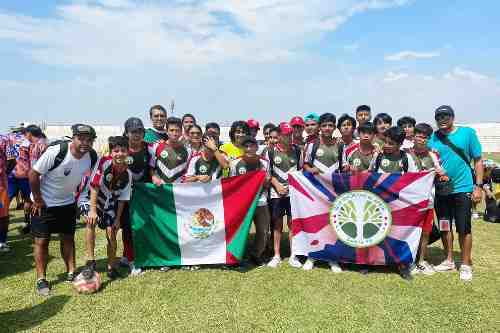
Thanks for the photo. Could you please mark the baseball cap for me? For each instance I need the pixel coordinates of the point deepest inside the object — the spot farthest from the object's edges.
(248, 139)
(133, 123)
(79, 129)
(252, 123)
(285, 128)
(445, 110)
(311, 116)
(297, 121)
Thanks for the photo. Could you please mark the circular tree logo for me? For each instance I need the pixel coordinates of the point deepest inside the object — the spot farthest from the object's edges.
(360, 218)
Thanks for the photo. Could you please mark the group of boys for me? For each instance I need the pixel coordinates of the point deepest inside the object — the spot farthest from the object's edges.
(175, 150)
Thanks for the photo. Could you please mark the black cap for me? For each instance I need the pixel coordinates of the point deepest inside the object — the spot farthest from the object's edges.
(248, 139)
(133, 124)
(79, 129)
(445, 110)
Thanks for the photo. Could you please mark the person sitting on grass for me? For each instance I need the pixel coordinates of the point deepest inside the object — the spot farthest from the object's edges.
(110, 187)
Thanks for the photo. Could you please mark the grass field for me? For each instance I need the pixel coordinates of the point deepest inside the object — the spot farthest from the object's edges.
(260, 299)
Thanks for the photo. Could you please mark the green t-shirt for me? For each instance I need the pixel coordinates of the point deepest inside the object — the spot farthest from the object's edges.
(168, 162)
(198, 166)
(152, 136)
(326, 156)
(359, 160)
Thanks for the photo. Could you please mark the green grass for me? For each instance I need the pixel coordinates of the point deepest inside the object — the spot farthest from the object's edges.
(262, 299)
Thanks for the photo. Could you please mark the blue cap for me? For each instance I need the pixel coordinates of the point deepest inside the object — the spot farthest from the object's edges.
(312, 116)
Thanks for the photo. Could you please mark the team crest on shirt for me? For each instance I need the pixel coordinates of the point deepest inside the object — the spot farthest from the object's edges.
(129, 160)
(277, 160)
(242, 170)
(385, 163)
(203, 169)
(356, 162)
(320, 152)
(109, 177)
(164, 154)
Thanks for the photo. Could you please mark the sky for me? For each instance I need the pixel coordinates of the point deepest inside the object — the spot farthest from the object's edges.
(102, 61)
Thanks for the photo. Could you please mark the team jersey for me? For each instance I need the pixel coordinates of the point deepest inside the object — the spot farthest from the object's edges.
(359, 161)
(21, 147)
(152, 136)
(427, 160)
(113, 186)
(138, 164)
(6, 153)
(36, 150)
(326, 158)
(199, 166)
(378, 142)
(240, 167)
(391, 164)
(281, 164)
(168, 162)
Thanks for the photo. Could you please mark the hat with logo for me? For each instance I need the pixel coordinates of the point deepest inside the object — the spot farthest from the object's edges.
(252, 123)
(311, 116)
(133, 124)
(444, 110)
(82, 129)
(297, 121)
(285, 128)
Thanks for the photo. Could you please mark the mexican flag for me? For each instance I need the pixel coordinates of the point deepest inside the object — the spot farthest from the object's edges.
(193, 223)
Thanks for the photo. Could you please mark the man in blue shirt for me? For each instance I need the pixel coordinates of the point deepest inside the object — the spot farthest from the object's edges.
(467, 186)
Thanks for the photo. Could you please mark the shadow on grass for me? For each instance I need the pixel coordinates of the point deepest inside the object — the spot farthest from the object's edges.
(436, 255)
(24, 319)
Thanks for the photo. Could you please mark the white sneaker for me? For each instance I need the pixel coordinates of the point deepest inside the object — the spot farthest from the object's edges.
(465, 273)
(335, 268)
(308, 265)
(274, 263)
(445, 266)
(135, 271)
(414, 269)
(294, 262)
(425, 268)
(165, 268)
(476, 216)
(4, 247)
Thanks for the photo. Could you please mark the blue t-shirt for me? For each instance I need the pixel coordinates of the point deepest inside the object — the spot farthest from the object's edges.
(458, 171)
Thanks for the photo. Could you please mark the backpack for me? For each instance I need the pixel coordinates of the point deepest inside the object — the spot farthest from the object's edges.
(404, 158)
(63, 150)
(340, 152)
(296, 151)
(495, 175)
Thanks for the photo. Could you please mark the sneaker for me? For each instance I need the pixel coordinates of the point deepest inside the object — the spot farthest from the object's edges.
(70, 277)
(165, 268)
(405, 273)
(294, 262)
(445, 266)
(42, 287)
(414, 270)
(124, 262)
(135, 271)
(465, 273)
(308, 265)
(274, 263)
(425, 268)
(4, 247)
(335, 268)
(475, 216)
(113, 273)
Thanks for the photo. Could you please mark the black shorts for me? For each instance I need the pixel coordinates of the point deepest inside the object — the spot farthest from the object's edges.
(54, 220)
(280, 207)
(456, 208)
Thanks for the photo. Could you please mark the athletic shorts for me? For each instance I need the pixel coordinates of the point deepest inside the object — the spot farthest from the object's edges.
(280, 207)
(19, 185)
(4, 204)
(54, 220)
(103, 221)
(455, 208)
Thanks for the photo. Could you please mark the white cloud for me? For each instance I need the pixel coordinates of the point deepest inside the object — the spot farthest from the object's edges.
(391, 76)
(411, 55)
(460, 73)
(126, 32)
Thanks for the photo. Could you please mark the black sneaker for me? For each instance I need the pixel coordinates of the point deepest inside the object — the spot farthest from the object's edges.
(113, 274)
(405, 273)
(70, 277)
(42, 287)
(26, 229)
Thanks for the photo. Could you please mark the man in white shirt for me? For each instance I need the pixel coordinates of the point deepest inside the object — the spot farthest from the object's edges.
(54, 179)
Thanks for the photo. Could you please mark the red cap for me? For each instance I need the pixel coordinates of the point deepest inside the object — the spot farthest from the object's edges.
(285, 128)
(252, 123)
(297, 121)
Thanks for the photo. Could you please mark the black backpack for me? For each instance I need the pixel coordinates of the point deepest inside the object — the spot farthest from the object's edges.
(315, 150)
(63, 150)
(404, 158)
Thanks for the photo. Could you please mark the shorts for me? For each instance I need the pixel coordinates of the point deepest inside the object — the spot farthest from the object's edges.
(104, 220)
(457, 208)
(280, 207)
(54, 220)
(19, 185)
(4, 205)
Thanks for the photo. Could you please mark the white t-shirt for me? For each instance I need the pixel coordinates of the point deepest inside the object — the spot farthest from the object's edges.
(58, 186)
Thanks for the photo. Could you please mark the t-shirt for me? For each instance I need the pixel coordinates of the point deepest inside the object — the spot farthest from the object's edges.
(23, 158)
(427, 160)
(113, 186)
(391, 164)
(282, 164)
(378, 142)
(36, 150)
(169, 163)
(198, 166)
(241, 167)
(458, 171)
(138, 164)
(152, 135)
(359, 160)
(327, 156)
(58, 186)
(6, 153)
(232, 152)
